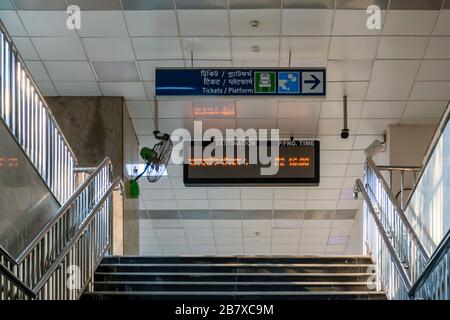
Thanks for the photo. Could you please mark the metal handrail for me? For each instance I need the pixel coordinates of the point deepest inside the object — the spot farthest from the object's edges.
(438, 254)
(430, 151)
(33, 292)
(399, 211)
(394, 256)
(62, 210)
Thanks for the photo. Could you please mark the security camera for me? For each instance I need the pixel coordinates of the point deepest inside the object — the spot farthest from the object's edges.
(345, 133)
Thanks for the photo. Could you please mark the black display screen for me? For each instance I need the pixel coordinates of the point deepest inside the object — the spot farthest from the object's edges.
(297, 163)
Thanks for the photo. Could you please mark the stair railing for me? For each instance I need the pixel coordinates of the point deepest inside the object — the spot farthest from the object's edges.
(27, 116)
(61, 260)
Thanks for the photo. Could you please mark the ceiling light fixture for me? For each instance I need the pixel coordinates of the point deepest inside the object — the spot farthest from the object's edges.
(254, 24)
(255, 48)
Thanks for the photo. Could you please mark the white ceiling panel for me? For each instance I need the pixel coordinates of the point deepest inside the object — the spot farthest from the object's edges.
(256, 204)
(298, 126)
(102, 24)
(224, 204)
(383, 109)
(353, 90)
(37, 70)
(434, 70)
(207, 48)
(148, 67)
(157, 48)
(299, 109)
(396, 47)
(193, 22)
(349, 70)
(306, 22)
(57, 48)
(334, 109)
(175, 109)
(129, 90)
(335, 170)
(267, 46)
(224, 193)
(47, 89)
(438, 48)
(269, 22)
(256, 124)
(46, 23)
(109, 49)
(324, 194)
(348, 48)
(425, 109)
(12, 22)
(256, 193)
(304, 48)
(334, 157)
(335, 142)
(405, 22)
(69, 70)
(375, 126)
(290, 194)
(442, 25)
(25, 47)
(77, 89)
(151, 23)
(354, 22)
(256, 108)
(431, 91)
(334, 126)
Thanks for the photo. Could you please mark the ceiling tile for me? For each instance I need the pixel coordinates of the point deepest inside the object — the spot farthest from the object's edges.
(268, 48)
(442, 25)
(77, 89)
(193, 22)
(255, 4)
(40, 5)
(47, 89)
(256, 124)
(157, 48)
(434, 70)
(306, 22)
(353, 23)
(69, 70)
(404, 22)
(362, 142)
(90, 5)
(175, 109)
(256, 193)
(148, 67)
(334, 109)
(6, 5)
(402, 47)
(290, 194)
(415, 5)
(431, 91)
(268, 19)
(151, 23)
(108, 49)
(256, 204)
(150, 90)
(116, 71)
(299, 109)
(207, 48)
(438, 48)
(361, 4)
(319, 205)
(375, 126)
(392, 79)
(334, 126)
(255, 64)
(225, 204)
(25, 48)
(324, 194)
(353, 90)
(214, 108)
(256, 108)
(12, 23)
(102, 24)
(383, 109)
(336, 143)
(335, 170)
(37, 70)
(349, 70)
(298, 126)
(147, 5)
(357, 157)
(201, 4)
(330, 182)
(46, 23)
(425, 109)
(334, 157)
(419, 121)
(223, 193)
(348, 48)
(304, 49)
(190, 194)
(59, 48)
(355, 170)
(128, 90)
(308, 4)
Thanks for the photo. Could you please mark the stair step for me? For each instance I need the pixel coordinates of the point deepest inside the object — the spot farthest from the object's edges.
(237, 277)
(244, 259)
(235, 268)
(220, 295)
(229, 286)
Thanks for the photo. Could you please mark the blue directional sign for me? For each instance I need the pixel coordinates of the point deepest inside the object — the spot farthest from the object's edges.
(240, 82)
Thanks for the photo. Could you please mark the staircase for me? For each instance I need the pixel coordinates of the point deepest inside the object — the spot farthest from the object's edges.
(233, 278)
